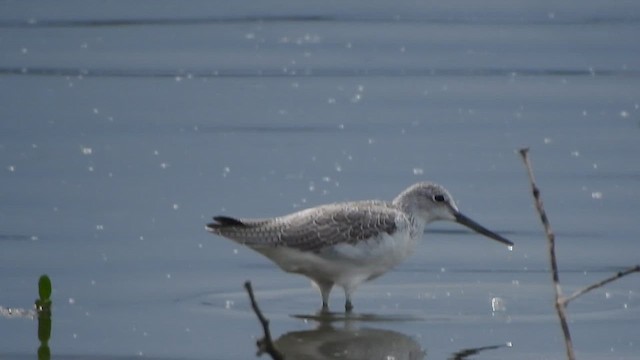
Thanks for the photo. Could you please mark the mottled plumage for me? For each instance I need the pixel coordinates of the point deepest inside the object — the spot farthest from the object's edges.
(347, 243)
(313, 229)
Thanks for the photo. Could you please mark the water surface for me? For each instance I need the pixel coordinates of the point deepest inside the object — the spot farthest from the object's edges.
(124, 129)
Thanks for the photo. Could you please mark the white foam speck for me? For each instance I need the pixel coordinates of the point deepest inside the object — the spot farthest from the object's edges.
(597, 195)
(228, 304)
(418, 171)
(498, 305)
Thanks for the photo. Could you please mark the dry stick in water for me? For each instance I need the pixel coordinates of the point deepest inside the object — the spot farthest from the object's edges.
(265, 344)
(552, 256)
(617, 276)
(562, 301)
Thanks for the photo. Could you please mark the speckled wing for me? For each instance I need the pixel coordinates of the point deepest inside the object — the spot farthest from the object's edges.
(312, 229)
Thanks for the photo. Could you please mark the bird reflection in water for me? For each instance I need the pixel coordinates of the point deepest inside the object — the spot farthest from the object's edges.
(342, 336)
(347, 341)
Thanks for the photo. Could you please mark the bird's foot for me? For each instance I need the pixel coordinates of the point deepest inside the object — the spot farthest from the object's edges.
(325, 308)
(348, 306)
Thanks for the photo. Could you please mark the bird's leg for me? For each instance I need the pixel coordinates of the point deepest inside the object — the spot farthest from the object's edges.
(325, 290)
(348, 306)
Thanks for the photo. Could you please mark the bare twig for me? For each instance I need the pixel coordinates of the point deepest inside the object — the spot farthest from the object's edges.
(559, 304)
(265, 345)
(617, 276)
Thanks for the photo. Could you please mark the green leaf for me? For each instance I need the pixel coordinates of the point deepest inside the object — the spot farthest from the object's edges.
(44, 287)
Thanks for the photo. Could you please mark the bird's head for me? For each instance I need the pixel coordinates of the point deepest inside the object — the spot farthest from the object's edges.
(432, 202)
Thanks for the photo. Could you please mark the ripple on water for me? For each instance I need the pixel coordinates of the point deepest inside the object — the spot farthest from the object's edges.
(511, 301)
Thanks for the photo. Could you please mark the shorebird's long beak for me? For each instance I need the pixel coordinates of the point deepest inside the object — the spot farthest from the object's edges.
(462, 219)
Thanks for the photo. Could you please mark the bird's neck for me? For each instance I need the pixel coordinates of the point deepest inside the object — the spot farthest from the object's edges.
(406, 203)
(416, 228)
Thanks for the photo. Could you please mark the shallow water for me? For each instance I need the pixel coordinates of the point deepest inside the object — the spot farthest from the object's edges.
(123, 130)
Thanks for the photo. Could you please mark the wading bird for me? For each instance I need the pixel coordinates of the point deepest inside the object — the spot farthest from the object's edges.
(346, 244)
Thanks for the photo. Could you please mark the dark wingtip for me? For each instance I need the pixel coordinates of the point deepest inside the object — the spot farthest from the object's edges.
(222, 222)
(228, 221)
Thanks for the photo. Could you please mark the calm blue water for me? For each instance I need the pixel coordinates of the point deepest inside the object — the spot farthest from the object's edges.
(123, 129)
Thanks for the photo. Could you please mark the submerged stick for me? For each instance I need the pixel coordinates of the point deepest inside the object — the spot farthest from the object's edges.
(559, 302)
(265, 345)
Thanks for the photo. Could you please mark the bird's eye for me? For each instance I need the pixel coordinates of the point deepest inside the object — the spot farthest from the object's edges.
(438, 198)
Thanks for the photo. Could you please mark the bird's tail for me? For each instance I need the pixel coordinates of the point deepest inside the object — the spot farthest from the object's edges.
(222, 222)
(251, 232)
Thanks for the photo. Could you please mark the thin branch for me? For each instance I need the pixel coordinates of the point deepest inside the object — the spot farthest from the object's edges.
(543, 218)
(266, 343)
(585, 290)
(559, 301)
